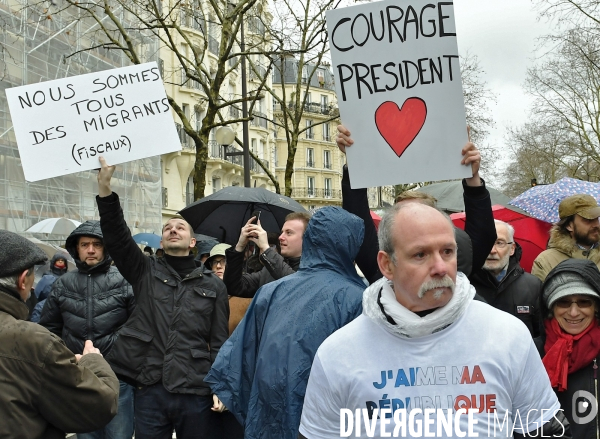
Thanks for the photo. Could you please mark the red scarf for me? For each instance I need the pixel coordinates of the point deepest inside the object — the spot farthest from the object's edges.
(566, 353)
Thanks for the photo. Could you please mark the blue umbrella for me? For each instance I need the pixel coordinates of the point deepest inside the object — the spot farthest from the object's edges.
(149, 239)
(542, 201)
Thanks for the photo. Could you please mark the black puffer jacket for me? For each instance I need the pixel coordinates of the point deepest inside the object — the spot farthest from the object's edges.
(518, 293)
(90, 303)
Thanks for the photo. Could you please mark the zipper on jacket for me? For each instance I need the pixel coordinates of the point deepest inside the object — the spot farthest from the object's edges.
(596, 395)
(89, 309)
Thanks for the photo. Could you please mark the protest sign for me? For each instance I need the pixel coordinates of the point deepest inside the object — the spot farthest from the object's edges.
(63, 126)
(399, 91)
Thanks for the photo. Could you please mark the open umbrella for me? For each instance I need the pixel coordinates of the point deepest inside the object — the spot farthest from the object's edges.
(449, 195)
(56, 226)
(223, 213)
(149, 239)
(542, 201)
(530, 233)
(376, 219)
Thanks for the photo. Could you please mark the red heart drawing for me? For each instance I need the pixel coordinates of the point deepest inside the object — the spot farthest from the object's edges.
(400, 126)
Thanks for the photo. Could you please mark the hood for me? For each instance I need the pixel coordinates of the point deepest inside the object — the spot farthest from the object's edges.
(332, 240)
(88, 228)
(55, 271)
(584, 267)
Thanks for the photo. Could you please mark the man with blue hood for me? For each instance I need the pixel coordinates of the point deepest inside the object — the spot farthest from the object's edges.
(261, 372)
(92, 303)
(58, 267)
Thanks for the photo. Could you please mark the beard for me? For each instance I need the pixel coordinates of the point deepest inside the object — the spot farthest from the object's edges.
(437, 287)
(496, 264)
(585, 238)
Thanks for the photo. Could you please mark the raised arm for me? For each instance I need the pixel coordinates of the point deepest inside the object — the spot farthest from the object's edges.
(128, 258)
(479, 219)
(355, 201)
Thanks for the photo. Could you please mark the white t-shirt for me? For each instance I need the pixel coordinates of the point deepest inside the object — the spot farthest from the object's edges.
(486, 360)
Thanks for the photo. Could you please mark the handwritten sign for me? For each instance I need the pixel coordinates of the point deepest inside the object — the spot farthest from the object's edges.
(399, 91)
(63, 126)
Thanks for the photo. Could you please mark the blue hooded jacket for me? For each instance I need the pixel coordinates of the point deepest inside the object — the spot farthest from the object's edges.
(261, 372)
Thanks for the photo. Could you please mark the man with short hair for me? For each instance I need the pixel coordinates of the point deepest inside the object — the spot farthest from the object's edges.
(45, 389)
(275, 265)
(93, 303)
(575, 235)
(504, 284)
(423, 343)
(179, 324)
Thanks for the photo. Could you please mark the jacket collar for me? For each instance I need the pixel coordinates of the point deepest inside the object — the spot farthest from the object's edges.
(12, 304)
(563, 243)
(101, 267)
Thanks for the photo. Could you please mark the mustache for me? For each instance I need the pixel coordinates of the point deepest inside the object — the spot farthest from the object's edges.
(436, 284)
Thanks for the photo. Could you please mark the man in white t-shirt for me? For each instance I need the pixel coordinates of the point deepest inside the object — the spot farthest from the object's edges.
(423, 353)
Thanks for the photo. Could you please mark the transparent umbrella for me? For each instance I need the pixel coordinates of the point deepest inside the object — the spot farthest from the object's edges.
(54, 226)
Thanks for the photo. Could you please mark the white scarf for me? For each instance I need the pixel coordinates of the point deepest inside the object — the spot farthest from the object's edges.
(408, 324)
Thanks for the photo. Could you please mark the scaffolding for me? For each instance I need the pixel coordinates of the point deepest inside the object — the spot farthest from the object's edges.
(37, 44)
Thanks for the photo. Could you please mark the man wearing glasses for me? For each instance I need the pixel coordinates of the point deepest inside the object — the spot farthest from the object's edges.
(504, 284)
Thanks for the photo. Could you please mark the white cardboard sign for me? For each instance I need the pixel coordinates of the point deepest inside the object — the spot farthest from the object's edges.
(63, 126)
(399, 91)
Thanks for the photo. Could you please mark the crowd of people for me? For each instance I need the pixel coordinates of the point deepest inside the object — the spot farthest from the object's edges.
(275, 336)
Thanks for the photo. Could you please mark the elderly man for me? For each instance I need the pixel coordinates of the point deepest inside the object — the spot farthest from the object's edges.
(45, 389)
(504, 284)
(179, 324)
(423, 343)
(575, 235)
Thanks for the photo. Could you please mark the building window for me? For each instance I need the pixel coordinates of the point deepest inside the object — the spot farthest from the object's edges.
(309, 129)
(326, 133)
(324, 104)
(216, 183)
(327, 159)
(327, 188)
(189, 191)
(310, 157)
(275, 158)
(310, 190)
(253, 147)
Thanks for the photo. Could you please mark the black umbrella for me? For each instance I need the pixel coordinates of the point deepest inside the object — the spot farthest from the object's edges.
(224, 213)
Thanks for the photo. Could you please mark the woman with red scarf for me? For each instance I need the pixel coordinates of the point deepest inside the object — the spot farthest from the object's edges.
(571, 346)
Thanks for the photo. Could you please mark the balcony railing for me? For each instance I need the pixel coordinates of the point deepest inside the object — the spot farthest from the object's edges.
(165, 197)
(308, 192)
(217, 151)
(310, 134)
(326, 137)
(188, 19)
(186, 141)
(312, 107)
(234, 112)
(327, 165)
(310, 164)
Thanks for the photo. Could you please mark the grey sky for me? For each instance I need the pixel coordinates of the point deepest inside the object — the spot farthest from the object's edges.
(502, 33)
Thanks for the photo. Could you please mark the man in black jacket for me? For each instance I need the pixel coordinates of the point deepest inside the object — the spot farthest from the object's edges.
(474, 243)
(174, 335)
(504, 284)
(275, 265)
(92, 303)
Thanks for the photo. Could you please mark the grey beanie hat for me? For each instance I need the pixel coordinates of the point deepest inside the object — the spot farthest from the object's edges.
(566, 284)
(18, 254)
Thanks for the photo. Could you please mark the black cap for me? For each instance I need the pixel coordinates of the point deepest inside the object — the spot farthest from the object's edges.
(18, 254)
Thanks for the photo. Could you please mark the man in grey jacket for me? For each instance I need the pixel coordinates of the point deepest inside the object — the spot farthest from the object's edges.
(276, 265)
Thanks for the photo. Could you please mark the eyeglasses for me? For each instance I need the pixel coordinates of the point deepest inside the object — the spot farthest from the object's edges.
(220, 262)
(581, 303)
(501, 244)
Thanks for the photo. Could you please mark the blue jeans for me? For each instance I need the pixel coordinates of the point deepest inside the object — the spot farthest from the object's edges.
(158, 412)
(121, 426)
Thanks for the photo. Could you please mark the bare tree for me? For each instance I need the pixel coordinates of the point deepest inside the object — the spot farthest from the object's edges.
(299, 37)
(124, 25)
